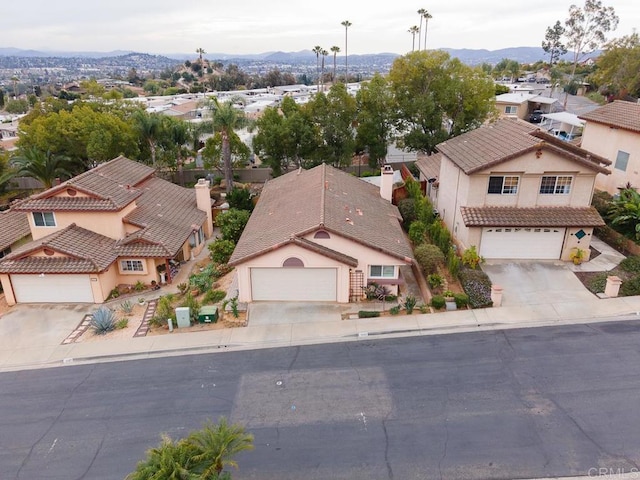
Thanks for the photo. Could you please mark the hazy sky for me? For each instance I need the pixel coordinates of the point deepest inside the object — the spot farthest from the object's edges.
(257, 26)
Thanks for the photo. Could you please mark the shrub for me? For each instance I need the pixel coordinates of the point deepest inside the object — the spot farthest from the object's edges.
(214, 296)
(194, 307)
(429, 257)
(221, 250)
(103, 320)
(407, 208)
(602, 202)
(470, 257)
(164, 310)
(598, 282)
(461, 299)
(182, 288)
(417, 232)
(477, 285)
(122, 323)
(423, 308)
(126, 307)
(424, 210)
(631, 287)
(232, 223)
(440, 236)
(139, 286)
(373, 291)
(394, 310)
(204, 279)
(367, 314)
(409, 303)
(435, 280)
(631, 264)
(233, 304)
(453, 262)
(437, 302)
(240, 198)
(115, 293)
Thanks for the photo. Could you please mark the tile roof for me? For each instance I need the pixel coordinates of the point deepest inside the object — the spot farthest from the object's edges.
(531, 217)
(507, 138)
(87, 252)
(14, 226)
(429, 165)
(322, 198)
(110, 187)
(620, 114)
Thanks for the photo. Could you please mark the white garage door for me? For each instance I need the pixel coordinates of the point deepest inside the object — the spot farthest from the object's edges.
(52, 288)
(294, 284)
(523, 243)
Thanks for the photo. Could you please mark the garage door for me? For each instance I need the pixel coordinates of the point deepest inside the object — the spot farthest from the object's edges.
(52, 288)
(294, 284)
(522, 243)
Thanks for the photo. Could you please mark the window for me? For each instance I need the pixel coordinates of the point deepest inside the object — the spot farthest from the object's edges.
(44, 219)
(622, 160)
(5, 252)
(551, 185)
(321, 234)
(511, 110)
(131, 266)
(382, 271)
(503, 185)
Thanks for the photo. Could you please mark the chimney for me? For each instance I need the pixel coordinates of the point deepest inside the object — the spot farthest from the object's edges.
(386, 183)
(203, 201)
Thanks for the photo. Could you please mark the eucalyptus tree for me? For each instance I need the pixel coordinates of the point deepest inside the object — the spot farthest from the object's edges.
(346, 24)
(552, 43)
(618, 70)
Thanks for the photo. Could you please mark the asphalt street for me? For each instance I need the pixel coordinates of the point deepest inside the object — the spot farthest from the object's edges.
(527, 403)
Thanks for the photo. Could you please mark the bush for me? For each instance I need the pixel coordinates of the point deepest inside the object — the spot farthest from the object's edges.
(453, 262)
(461, 299)
(470, 257)
(602, 202)
(435, 280)
(232, 223)
(437, 302)
(214, 296)
(122, 323)
(631, 264)
(477, 285)
(407, 208)
(373, 291)
(394, 310)
(417, 232)
(115, 293)
(194, 307)
(598, 282)
(367, 314)
(164, 310)
(182, 288)
(631, 287)
(440, 236)
(240, 198)
(139, 286)
(221, 250)
(103, 320)
(429, 257)
(409, 303)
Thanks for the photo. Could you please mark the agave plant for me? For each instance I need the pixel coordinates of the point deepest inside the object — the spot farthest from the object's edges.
(126, 307)
(103, 320)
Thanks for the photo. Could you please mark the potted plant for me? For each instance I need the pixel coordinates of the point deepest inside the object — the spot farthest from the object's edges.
(577, 255)
(141, 301)
(449, 300)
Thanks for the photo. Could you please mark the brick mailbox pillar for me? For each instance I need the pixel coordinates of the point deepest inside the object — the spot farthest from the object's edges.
(613, 286)
(496, 295)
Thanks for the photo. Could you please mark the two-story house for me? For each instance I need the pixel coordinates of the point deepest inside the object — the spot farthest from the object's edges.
(321, 235)
(516, 192)
(613, 131)
(115, 224)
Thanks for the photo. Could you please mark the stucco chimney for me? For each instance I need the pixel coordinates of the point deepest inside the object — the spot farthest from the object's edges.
(386, 183)
(203, 201)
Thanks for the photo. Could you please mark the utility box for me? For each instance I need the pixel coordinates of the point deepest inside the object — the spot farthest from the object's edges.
(208, 314)
(183, 317)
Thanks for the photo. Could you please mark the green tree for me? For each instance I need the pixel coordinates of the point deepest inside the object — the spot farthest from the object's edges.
(625, 212)
(168, 461)
(375, 124)
(149, 129)
(269, 143)
(232, 223)
(552, 43)
(618, 70)
(43, 166)
(1, 99)
(215, 445)
(17, 106)
(437, 96)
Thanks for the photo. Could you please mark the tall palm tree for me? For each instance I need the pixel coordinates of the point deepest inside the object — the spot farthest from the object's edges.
(413, 31)
(324, 54)
(346, 24)
(200, 51)
(149, 128)
(215, 445)
(15, 79)
(317, 50)
(336, 51)
(43, 166)
(225, 119)
(426, 16)
(421, 12)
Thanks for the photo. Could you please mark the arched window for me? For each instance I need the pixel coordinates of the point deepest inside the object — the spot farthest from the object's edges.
(321, 234)
(293, 262)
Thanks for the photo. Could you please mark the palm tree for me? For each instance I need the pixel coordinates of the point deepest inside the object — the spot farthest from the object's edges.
(324, 53)
(346, 24)
(148, 126)
(317, 50)
(214, 447)
(421, 12)
(335, 51)
(225, 119)
(170, 460)
(43, 166)
(426, 16)
(200, 51)
(15, 79)
(413, 31)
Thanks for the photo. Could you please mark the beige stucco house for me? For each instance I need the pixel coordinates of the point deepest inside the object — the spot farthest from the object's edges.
(613, 131)
(516, 192)
(115, 224)
(321, 235)
(521, 104)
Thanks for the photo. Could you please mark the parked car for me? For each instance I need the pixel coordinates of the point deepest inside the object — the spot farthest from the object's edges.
(535, 116)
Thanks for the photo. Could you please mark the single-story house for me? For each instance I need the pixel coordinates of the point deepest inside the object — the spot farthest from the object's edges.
(321, 235)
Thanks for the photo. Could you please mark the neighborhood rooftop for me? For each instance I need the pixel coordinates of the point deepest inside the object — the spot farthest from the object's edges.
(619, 114)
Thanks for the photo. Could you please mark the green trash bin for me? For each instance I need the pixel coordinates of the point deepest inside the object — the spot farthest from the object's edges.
(208, 314)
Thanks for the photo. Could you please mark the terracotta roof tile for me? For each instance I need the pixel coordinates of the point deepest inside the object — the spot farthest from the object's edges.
(620, 114)
(429, 165)
(322, 197)
(531, 217)
(14, 226)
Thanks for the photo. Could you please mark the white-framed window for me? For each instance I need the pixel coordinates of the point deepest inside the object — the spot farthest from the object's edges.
(503, 185)
(382, 271)
(131, 265)
(44, 219)
(511, 110)
(555, 185)
(622, 159)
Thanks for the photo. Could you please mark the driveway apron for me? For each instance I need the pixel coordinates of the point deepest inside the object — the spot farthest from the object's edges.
(279, 313)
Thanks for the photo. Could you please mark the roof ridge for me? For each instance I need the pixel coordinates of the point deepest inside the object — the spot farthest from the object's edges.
(324, 185)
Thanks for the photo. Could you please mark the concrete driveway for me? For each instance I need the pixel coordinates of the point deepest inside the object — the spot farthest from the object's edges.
(536, 282)
(280, 313)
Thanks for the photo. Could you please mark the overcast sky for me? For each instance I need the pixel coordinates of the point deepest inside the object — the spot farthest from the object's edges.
(257, 26)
